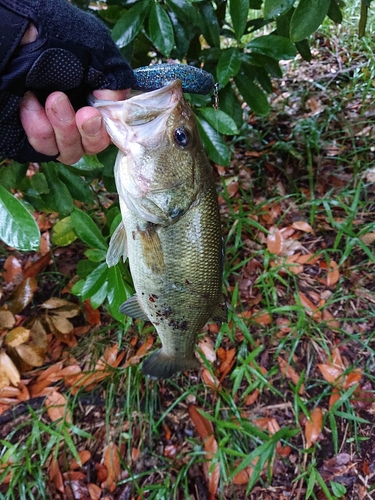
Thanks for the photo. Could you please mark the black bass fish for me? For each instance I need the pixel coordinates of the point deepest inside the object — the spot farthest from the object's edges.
(170, 229)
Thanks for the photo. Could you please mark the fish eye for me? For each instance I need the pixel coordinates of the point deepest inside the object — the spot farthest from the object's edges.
(181, 137)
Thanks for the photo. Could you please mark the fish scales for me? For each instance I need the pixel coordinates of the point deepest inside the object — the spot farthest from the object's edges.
(170, 229)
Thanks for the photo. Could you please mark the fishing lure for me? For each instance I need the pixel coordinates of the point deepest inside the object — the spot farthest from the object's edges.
(194, 80)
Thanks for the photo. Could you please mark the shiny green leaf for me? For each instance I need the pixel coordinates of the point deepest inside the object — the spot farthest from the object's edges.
(87, 230)
(161, 30)
(184, 11)
(216, 148)
(99, 297)
(63, 233)
(118, 292)
(78, 188)
(273, 8)
(228, 65)
(307, 18)
(252, 94)
(18, 228)
(209, 23)
(95, 254)
(273, 46)
(87, 163)
(334, 12)
(95, 281)
(129, 25)
(39, 183)
(238, 10)
(222, 122)
(58, 198)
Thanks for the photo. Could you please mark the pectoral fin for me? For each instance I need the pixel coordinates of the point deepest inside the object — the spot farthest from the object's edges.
(152, 251)
(117, 246)
(133, 309)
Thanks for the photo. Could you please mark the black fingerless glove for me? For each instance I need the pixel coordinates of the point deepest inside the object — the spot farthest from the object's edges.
(73, 53)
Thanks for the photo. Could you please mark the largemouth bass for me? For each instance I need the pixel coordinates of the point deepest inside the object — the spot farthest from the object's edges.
(170, 229)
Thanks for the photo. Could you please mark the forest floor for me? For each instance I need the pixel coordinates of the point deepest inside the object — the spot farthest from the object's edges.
(284, 404)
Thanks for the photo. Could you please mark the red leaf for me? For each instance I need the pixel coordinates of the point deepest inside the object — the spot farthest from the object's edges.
(12, 268)
(92, 315)
(204, 427)
(313, 427)
(212, 472)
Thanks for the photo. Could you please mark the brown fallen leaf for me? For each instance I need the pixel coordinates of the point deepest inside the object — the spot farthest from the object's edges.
(301, 225)
(111, 461)
(57, 408)
(275, 241)
(12, 268)
(211, 470)
(210, 380)
(313, 426)
(289, 372)
(310, 307)
(204, 427)
(207, 346)
(55, 475)
(8, 371)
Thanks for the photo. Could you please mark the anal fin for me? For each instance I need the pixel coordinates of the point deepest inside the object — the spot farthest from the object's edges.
(133, 309)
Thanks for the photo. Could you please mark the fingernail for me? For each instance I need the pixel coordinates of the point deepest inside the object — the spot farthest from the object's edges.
(92, 126)
(63, 110)
(30, 102)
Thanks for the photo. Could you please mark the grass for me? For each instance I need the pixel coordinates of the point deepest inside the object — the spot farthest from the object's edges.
(308, 167)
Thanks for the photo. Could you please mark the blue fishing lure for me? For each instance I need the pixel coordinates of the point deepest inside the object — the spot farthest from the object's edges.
(194, 80)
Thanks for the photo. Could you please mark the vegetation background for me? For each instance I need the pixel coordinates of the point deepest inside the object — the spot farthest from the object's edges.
(283, 406)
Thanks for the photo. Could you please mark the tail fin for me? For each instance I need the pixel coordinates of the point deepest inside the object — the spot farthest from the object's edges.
(158, 365)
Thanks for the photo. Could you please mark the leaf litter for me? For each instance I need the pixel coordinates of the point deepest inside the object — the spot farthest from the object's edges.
(290, 263)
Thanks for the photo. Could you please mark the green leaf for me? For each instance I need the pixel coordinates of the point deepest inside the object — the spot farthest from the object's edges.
(63, 233)
(183, 34)
(58, 198)
(307, 18)
(239, 10)
(273, 8)
(118, 292)
(161, 30)
(12, 175)
(303, 48)
(209, 24)
(216, 148)
(18, 228)
(128, 26)
(228, 65)
(87, 230)
(78, 188)
(222, 122)
(230, 104)
(95, 255)
(252, 94)
(95, 281)
(334, 12)
(184, 11)
(39, 182)
(338, 489)
(87, 163)
(99, 297)
(273, 46)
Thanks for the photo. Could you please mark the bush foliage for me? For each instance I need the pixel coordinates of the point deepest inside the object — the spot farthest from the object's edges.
(241, 42)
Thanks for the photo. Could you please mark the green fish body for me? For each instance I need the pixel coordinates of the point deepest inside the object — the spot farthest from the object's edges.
(170, 229)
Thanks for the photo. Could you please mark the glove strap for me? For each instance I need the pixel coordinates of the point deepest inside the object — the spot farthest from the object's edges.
(13, 28)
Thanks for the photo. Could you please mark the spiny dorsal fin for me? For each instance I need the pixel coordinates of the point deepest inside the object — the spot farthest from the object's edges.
(133, 309)
(117, 246)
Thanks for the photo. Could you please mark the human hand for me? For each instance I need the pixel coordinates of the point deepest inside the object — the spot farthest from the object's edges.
(58, 129)
(61, 49)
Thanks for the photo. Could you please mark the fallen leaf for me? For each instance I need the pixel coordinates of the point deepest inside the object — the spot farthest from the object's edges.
(94, 491)
(367, 238)
(251, 398)
(204, 427)
(17, 336)
(310, 307)
(111, 461)
(37, 267)
(275, 241)
(289, 372)
(12, 268)
(330, 373)
(207, 346)
(55, 475)
(211, 470)
(301, 225)
(23, 295)
(84, 455)
(57, 407)
(7, 319)
(31, 354)
(313, 427)
(92, 315)
(210, 380)
(8, 371)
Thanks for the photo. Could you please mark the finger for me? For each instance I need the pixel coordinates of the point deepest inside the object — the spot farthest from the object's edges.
(91, 126)
(37, 126)
(111, 95)
(61, 114)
